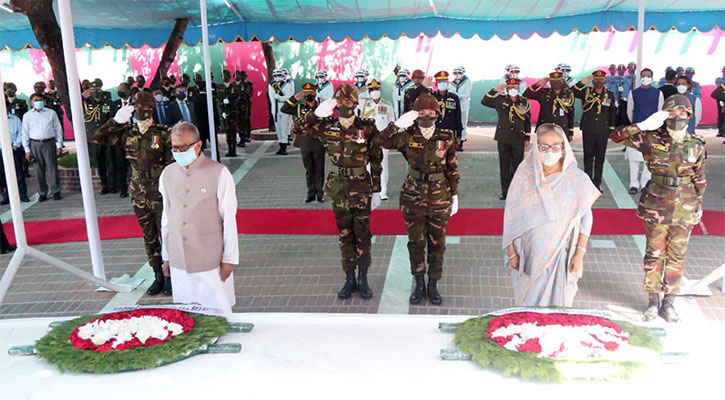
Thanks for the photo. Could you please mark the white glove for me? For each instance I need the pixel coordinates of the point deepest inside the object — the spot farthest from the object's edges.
(325, 108)
(226, 101)
(375, 201)
(454, 205)
(406, 120)
(224, 115)
(654, 121)
(123, 115)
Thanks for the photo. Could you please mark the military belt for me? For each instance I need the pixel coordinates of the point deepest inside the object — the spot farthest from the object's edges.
(349, 171)
(415, 174)
(673, 181)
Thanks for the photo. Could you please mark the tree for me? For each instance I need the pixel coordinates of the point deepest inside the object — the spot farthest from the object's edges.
(172, 45)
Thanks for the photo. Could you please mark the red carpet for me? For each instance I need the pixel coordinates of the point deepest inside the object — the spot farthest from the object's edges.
(322, 222)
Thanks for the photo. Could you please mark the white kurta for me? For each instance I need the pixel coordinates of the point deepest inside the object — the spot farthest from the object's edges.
(207, 288)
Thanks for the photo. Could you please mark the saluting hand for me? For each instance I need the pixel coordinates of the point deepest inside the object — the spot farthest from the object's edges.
(299, 96)
(499, 88)
(325, 108)
(427, 81)
(123, 115)
(542, 82)
(407, 119)
(587, 79)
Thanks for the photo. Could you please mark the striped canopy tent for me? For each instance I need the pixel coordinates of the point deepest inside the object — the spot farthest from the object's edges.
(137, 22)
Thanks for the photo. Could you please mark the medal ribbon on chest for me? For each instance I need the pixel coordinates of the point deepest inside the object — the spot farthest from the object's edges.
(520, 110)
(440, 145)
(360, 136)
(691, 154)
(155, 140)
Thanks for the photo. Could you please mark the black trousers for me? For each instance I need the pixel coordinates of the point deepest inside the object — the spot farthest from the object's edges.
(595, 149)
(314, 162)
(622, 118)
(120, 169)
(4, 243)
(18, 157)
(112, 166)
(509, 158)
(720, 122)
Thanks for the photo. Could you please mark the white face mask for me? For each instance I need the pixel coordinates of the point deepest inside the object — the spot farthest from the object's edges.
(646, 80)
(443, 86)
(513, 92)
(551, 158)
(402, 79)
(360, 80)
(159, 97)
(681, 89)
(320, 81)
(374, 94)
(514, 74)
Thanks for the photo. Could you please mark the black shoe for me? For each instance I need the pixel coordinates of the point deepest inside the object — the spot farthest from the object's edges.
(502, 196)
(8, 249)
(310, 199)
(158, 284)
(653, 307)
(667, 309)
(282, 149)
(57, 196)
(105, 191)
(633, 190)
(114, 190)
(279, 151)
(248, 139)
(362, 285)
(433, 295)
(320, 199)
(167, 286)
(419, 292)
(5, 202)
(25, 199)
(231, 153)
(350, 285)
(42, 198)
(123, 194)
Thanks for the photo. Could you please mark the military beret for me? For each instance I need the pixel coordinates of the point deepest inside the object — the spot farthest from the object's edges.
(599, 75)
(346, 92)
(374, 85)
(146, 98)
(441, 76)
(418, 74)
(426, 101)
(309, 88)
(677, 101)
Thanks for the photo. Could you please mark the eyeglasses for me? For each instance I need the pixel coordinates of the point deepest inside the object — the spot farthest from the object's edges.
(182, 147)
(545, 147)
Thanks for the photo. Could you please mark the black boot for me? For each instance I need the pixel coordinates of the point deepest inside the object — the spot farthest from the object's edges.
(433, 295)
(667, 310)
(282, 149)
(232, 152)
(652, 308)
(158, 284)
(419, 291)
(362, 285)
(167, 286)
(279, 152)
(350, 285)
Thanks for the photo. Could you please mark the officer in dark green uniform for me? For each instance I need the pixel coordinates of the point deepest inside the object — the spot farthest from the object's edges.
(599, 118)
(556, 103)
(228, 99)
(671, 203)
(96, 112)
(354, 191)
(313, 152)
(430, 192)
(512, 129)
(148, 150)
(16, 106)
(244, 100)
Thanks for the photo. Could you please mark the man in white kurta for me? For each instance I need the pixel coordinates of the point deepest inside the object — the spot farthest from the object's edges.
(198, 224)
(374, 107)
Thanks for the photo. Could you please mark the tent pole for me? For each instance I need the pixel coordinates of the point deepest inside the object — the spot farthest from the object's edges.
(207, 79)
(79, 129)
(640, 36)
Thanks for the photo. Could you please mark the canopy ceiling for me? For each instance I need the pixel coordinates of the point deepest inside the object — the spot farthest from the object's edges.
(139, 22)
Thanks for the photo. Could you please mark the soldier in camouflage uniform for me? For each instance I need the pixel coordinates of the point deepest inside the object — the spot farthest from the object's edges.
(148, 150)
(228, 102)
(354, 191)
(671, 203)
(430, 192)
(96, 112)
(244, 100)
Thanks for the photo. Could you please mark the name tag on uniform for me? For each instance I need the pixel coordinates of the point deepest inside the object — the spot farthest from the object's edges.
(561, 112)
(416, 145)
(660, 147)
(132, 139)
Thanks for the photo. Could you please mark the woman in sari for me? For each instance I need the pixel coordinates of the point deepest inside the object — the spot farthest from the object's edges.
(547, 221)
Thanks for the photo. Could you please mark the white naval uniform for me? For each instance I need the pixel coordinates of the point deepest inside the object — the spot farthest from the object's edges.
(206, 288)
(282, 121)
(362, 94)
(399, 97)
(325, 91)
(463, 89)
(635, 157)
(382, 112)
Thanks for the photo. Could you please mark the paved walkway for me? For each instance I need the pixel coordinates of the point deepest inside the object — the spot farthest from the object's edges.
(292, 273)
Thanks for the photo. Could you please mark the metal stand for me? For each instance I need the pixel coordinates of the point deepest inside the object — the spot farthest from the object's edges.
(207, 78)
(699, 287)
(85, 175)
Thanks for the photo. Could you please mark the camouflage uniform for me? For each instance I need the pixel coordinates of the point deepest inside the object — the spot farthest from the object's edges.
(244, 117)
(349, 184)
(148, 154)
(426, 195)
(227, 95)
(671, 203)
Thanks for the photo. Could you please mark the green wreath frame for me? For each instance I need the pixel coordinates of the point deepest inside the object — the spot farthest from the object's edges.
(470, 337)
(55, 348)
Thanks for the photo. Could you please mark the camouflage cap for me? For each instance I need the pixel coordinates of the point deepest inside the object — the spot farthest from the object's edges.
(677, 101)
(146, 98)
(346, 92)
(426, 101)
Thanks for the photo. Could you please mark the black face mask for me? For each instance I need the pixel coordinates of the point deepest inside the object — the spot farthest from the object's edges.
(310, 98)
(181, 95)
(123, 94)
(38, 90)
(345, 112)
(426, 122)
(677, 123)
(556, 86)
(10, 93)
(598, 85)
(96, 95)
(142, 114)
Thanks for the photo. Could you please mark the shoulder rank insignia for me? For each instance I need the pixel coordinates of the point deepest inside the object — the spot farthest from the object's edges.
(660, 147)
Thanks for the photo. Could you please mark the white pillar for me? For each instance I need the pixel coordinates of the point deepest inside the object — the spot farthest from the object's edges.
(207, 78)
(640, 37)
(79, 129)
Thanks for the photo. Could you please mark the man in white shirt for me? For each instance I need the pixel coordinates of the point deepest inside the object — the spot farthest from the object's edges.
(381, 110)
(43, 138)
(199, 243)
